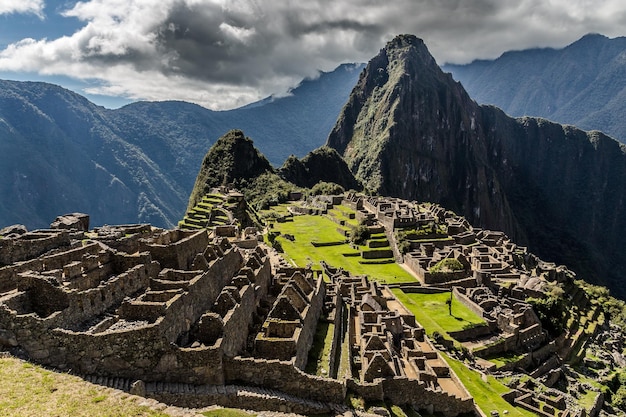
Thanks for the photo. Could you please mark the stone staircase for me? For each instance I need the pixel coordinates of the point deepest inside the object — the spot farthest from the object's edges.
(207, 213)
(199, 396)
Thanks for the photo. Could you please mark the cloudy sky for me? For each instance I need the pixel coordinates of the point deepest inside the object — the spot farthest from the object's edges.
(226, 53)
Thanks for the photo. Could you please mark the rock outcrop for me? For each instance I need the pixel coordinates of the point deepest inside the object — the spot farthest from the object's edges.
(322, 164)
(409, 130)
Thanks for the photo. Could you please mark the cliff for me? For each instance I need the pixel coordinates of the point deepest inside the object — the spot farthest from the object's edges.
(409, 130)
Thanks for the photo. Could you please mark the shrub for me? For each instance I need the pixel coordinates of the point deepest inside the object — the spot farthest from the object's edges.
(447, 265)
(551, 313)
(278, 246)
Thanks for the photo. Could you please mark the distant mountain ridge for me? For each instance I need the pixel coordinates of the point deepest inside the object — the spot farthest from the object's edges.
(583, 84)
(61, 153)
(411, 131)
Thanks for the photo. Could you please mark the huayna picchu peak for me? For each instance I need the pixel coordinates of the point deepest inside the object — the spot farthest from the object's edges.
(409, 130)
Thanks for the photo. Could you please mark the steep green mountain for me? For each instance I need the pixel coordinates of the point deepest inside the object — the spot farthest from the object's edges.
(232, 157)
(583, 84)
(61, 153)
(409, 130)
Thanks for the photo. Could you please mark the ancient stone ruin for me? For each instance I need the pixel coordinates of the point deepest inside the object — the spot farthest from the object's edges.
(193, 318)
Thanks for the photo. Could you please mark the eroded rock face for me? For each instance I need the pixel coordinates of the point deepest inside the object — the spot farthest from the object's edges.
(409, 130)
(76, 221)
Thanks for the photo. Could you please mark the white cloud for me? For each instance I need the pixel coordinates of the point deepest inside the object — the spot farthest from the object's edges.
(225, 53)
(22, 6)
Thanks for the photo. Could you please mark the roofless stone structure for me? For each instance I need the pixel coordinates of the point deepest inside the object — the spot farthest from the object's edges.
(193, 318)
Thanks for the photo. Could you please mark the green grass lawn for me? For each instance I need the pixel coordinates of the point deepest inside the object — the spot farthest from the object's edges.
(343, 213)
(321, 229)
(505, 358)
(30, 390)
(487, 393)
(431, 311)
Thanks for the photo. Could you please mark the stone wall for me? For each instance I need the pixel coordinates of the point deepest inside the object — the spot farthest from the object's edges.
(233, 396)
(251, 287)
(176, 248)
(339, 321)
(377, 253)
(32, 244)
(400, 390)
(70, 331)
(309, 325)
(9, 273)
(283, 376)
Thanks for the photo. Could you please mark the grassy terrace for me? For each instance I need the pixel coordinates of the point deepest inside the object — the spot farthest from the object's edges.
(487, 392)
(29, 390)
(431, 311)
(306, 229)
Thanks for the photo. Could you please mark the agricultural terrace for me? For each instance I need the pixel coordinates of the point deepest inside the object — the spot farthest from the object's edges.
(321, 229)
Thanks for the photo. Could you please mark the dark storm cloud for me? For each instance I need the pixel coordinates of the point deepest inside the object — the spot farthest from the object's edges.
(223, 53)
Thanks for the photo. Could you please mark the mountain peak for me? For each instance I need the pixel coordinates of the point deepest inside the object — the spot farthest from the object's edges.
(232, 158)
(410, 131)
(400, 92)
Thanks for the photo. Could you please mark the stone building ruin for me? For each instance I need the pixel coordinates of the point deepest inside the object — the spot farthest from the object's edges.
(193, 318)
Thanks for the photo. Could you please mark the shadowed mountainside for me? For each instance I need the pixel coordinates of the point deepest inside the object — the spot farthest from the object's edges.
(60, 153)
(583, 84)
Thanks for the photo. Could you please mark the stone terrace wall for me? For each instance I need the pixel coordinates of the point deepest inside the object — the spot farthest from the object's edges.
(31, 245)
(410, 391)
(9, 274)
(233, 396)
(400, 390)
(283, 376)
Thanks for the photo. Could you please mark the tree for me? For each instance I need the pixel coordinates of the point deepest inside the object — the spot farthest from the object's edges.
(359, 234)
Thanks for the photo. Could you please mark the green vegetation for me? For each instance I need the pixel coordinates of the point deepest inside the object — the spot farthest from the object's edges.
(551, 311)
(29, 390)
(432, 312)
(306, 229)
(267, 190)
(221, 165)
(486, 390)
(359, 234)
(446, 265)
(505, 358)
(614, 309)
